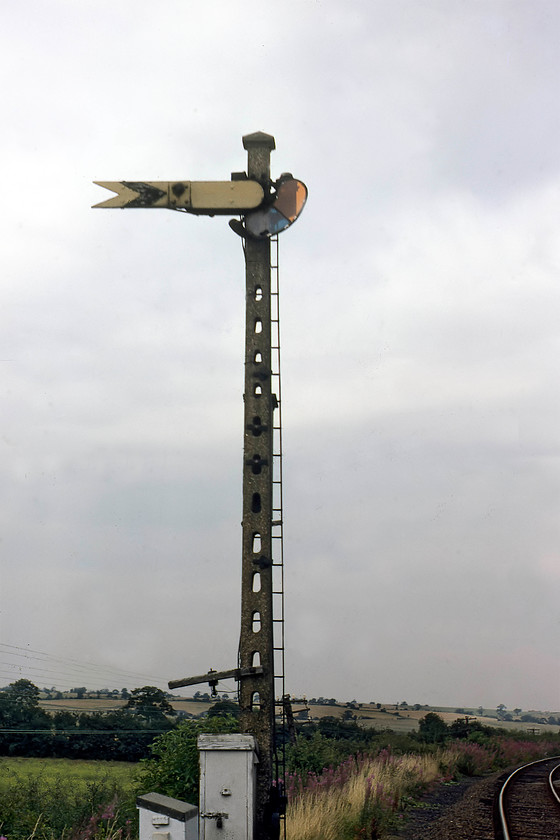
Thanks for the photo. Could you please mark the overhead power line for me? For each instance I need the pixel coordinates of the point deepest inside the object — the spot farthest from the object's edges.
(68, 668)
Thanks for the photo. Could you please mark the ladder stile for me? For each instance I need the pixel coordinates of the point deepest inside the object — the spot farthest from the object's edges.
(278, 536)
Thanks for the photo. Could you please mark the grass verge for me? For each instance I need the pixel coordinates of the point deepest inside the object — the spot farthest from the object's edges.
(367, 797)
(61, 799)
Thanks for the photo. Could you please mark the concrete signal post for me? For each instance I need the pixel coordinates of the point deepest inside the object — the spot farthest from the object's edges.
(256, 692)
(266, 208)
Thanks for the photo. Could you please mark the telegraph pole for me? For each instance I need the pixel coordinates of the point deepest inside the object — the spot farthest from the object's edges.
(266, 208)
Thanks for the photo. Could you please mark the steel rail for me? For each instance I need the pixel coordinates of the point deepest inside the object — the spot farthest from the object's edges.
(553, 790)
(501, 804)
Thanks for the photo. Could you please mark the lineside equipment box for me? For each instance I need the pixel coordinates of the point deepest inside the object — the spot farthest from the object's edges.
(165, 818)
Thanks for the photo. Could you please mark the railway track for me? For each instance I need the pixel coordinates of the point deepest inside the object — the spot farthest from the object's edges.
(528, 803)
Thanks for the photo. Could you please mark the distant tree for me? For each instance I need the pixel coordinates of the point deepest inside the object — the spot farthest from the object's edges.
(465, 727)
(23, 694)
(334, 727)
(80, 692)
(432, 728)
(480, 711)
(517, 711)
(125, 694)
(19, 709)
(224, 708)
(150, 703)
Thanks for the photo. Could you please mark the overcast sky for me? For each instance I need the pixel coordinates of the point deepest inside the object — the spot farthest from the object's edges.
(420, 337)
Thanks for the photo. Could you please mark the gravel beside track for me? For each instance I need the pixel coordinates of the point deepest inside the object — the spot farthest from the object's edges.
(461, 811)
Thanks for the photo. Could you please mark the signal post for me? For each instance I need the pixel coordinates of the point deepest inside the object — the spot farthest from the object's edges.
(256, 693)
(266, 209)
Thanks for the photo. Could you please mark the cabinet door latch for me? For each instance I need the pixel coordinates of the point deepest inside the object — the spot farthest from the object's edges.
(219, 816)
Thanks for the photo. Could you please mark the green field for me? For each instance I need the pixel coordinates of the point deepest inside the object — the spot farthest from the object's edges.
(48, 798)
(80, 773)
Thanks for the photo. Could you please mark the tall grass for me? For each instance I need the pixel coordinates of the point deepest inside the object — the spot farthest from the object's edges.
(366, 797)
(65, 800)
(359, 799)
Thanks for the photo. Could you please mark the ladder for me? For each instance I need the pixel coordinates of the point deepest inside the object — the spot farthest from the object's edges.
(280, 735)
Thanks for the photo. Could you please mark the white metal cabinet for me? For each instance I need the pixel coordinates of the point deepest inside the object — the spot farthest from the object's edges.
(227, 786)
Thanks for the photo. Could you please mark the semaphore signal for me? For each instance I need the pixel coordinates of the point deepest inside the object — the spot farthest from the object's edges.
(267, 208)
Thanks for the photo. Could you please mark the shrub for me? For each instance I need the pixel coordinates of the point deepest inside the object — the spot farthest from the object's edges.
(313, 754)
(471, 759)
(173, 768)
(510, 751)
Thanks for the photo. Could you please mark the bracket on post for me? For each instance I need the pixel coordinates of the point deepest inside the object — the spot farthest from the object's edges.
(213, 677)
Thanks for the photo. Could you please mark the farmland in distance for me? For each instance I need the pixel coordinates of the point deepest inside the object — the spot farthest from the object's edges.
(397, 717)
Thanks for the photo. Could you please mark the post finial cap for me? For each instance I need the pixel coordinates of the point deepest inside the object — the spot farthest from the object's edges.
(259, 138)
